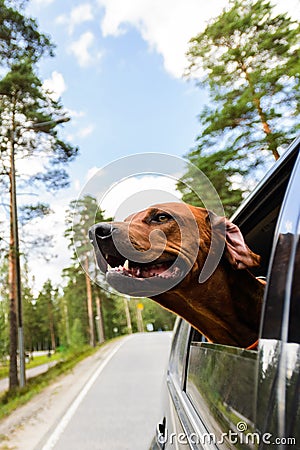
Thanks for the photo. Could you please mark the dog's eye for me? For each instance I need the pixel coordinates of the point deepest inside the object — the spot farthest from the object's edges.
(161, 218)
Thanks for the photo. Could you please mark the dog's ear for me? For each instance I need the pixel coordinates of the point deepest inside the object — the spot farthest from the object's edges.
(236, 251)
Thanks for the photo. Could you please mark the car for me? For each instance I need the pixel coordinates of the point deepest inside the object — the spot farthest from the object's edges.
(218, 396)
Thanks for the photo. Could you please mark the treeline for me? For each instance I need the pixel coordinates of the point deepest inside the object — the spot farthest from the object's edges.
(58, 317)
(247, 60)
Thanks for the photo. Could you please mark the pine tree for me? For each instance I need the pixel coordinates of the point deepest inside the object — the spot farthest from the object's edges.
(248, 59)
(19, 35)
(82, 215)
(28, 120)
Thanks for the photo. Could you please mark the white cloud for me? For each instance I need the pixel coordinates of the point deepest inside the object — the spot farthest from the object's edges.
(56, 85)
(79, 14)
(75, 114)
(82, 51)
(42, 2)
(85, 131)
(137, 193)
(167, 26)
(91, 172)
(80, 133)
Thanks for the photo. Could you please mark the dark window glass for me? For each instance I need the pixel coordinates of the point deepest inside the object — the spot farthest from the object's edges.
(276, 288)
(178, 353)
(294, 322)
(221, 387)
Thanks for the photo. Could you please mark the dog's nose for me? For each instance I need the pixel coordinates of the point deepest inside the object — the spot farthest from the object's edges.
(103, 230)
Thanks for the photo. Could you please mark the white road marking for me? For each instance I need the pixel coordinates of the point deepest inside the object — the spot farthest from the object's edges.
(58, 431)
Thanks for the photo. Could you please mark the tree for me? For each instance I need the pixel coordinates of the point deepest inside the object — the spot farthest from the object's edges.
(48, 314)
(19, 35)
(4, 306)
(74, 304)
(28, 120)
(82, 215)
(248, 58)
(221, 167)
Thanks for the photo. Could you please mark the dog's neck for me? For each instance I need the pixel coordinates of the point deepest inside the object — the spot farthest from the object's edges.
(226, 308)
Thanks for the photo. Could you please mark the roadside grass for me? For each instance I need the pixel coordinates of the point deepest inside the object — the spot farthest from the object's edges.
(11, 400)
(37, 361)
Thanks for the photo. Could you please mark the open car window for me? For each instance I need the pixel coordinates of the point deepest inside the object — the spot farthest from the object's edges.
(221, 380)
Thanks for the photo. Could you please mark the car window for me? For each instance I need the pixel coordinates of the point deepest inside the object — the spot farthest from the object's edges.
(294, 317)
(178, 351)
(278, 410)
(220, 385)
(221, 381)
(282, 299)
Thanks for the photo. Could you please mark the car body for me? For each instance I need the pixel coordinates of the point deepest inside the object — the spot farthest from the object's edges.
(220, 397)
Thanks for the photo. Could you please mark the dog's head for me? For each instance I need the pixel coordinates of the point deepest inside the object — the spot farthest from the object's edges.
(160, 248)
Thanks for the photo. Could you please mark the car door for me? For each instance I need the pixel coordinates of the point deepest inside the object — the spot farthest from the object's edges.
(278, 405)
(227, 397)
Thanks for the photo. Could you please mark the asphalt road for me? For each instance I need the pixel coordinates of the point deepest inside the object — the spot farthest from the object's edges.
(119, 406)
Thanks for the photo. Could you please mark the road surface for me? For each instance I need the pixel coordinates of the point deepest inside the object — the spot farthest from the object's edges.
(115, 407)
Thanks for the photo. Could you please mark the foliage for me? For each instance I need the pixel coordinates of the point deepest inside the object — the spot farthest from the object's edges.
(248, 58)
(28, 119)
(73, 304)
(159, 317)
(25, 106)
(251, 63)
(77, 336)
(19, 35)
(82, 214)
(221, 168)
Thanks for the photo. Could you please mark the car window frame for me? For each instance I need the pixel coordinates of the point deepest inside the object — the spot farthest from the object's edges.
(187, 413)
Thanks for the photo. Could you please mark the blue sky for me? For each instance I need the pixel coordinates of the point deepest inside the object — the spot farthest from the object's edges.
(125, 99)
(118, 70)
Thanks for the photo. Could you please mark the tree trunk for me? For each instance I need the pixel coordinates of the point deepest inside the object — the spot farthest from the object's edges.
(90, 304)
(51, 325)
(16, 325)
(66, 311)
(13, 331)
(101, 335)
(265, 126)
(127, 313)
(13, 321)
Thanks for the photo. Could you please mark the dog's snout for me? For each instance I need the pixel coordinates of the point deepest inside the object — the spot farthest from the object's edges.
(104, 230)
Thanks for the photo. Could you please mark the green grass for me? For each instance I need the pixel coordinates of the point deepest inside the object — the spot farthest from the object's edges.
(12, 399)
(37, 361)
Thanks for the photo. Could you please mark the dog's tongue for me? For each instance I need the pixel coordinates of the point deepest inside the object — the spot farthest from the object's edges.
(151, 271)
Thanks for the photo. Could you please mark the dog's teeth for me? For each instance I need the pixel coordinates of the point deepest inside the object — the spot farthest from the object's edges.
(106, 255)
(109, 267)
(126, 264)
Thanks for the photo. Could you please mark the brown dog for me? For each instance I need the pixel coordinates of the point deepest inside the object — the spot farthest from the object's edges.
(161, 253)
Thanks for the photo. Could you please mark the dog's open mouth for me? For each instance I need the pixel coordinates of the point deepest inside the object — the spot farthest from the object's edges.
(142, 279)
(165, 269)
(137, 278)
